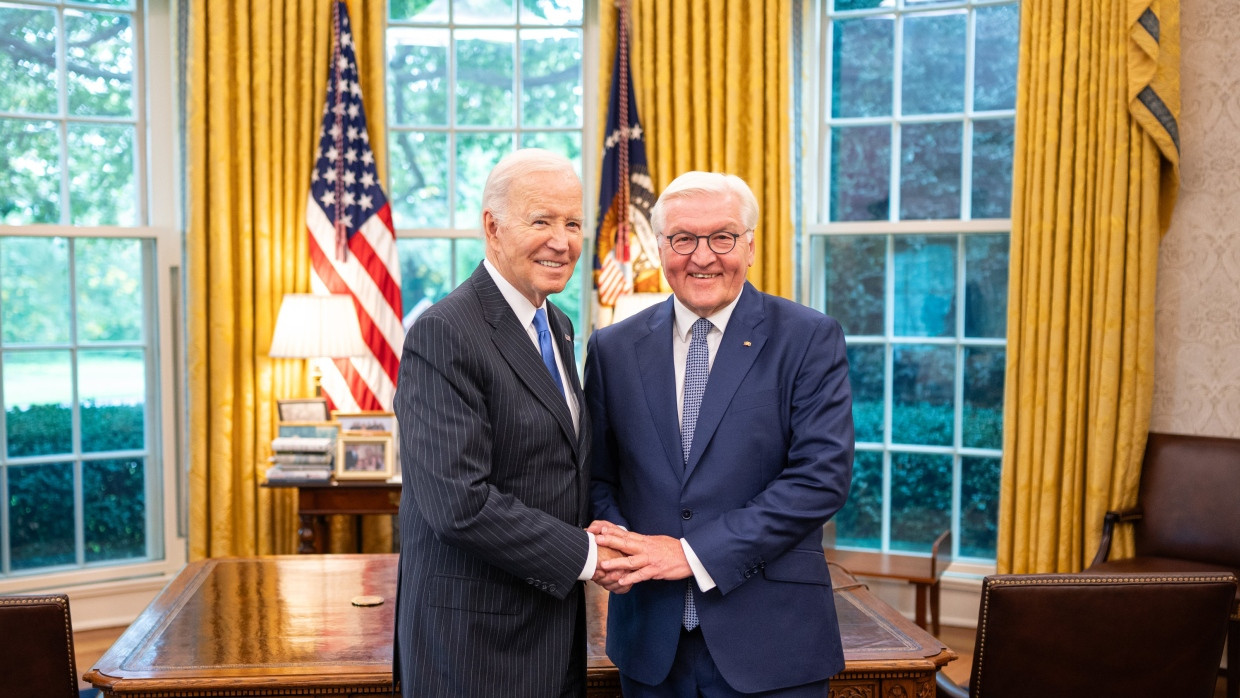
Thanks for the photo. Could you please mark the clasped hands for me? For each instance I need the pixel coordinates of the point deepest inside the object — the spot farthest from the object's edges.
(626, 558)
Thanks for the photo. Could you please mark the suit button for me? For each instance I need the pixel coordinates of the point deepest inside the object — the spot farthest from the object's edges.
(686, 514)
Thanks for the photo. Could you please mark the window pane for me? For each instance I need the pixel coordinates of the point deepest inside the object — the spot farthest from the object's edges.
(985, 286)
(993, 142)
(30, 160)
(41, 515)
(867, 376)
(112, 390)
(419, 10)
(484, 78)
(28, 61)
(551, 93)
(552, 12)
(845, 5)
(933, 65)
(861, 61)
(860, 523)
(483, 12)
(994, 71)
(930, 171)
(983, 397)
(418, 77)
(923, 385)
(476, 154)
(925, 286)
(419, 176)
(123, 4)
(854, 269)
(109, 289)
(116, 518)
(469, 254)
(860, 173)
(102, 180)
(921, 499)
(979, 507)
(38, 392)
(34, 308)
(99, 61)
(566, 143)
(425, 273)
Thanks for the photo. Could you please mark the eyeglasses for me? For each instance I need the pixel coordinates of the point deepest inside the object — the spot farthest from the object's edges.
(719, 243)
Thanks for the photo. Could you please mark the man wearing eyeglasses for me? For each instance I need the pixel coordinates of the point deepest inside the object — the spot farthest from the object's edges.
(723, 441)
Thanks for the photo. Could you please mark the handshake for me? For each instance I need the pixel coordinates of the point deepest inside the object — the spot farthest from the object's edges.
(626, 558)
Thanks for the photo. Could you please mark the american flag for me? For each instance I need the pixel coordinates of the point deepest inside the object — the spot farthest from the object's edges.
(625, 255)
(352, 240)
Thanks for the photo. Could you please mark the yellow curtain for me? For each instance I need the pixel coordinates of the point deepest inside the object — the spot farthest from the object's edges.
(256, 84)
(712, 84)
(1096, 171)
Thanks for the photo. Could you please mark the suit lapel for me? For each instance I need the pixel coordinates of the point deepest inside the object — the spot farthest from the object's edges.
(514, 344)
(658, 379)
(741, 344)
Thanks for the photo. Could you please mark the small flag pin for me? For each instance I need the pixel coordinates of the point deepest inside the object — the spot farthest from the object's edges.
(748, 344)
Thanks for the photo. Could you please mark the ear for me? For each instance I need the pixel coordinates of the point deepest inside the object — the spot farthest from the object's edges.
(490, 225)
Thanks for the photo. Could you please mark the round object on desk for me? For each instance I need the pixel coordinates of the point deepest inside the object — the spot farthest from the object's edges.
(367, 600)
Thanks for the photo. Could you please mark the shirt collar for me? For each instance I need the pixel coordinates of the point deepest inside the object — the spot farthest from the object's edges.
(520, 305)
(685, 317)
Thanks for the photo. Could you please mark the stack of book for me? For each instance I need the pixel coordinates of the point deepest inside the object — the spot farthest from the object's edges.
(299, 460)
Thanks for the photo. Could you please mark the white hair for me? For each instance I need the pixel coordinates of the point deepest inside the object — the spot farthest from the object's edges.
(696, 183)
(516, 166)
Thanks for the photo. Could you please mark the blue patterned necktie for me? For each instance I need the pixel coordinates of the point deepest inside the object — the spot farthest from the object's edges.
(544, 346)
(697, 370)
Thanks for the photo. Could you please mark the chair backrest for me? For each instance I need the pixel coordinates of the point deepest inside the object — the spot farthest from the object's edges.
(1067, 635)
(1188, 498)
(36, 647)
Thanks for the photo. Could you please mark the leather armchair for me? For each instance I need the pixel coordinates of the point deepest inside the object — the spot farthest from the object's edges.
(1093, 636)
(1186, 520)
(36, 648)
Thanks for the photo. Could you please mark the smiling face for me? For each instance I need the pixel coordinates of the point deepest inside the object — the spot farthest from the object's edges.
(536, 243)
(705, 281)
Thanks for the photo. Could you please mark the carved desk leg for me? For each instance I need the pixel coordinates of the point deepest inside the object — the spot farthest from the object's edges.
(307, 538)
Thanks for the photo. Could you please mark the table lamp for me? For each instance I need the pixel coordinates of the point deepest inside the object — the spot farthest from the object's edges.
(316, 326)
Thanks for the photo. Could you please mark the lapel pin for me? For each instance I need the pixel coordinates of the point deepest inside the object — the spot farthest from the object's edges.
(567, 338)
(748, 344)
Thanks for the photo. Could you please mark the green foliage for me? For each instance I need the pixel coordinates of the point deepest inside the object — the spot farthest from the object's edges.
(115, 520)
(42, 430)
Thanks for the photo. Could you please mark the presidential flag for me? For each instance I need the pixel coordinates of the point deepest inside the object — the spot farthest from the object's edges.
(352, 241)
(626, 256)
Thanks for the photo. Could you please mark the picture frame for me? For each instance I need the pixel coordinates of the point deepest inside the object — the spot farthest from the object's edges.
(366, 421)
(311, 409)
(364, 456)
(328, 430)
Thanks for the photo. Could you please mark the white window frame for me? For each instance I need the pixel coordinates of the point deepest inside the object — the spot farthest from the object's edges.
(816, 52)
(112, 595)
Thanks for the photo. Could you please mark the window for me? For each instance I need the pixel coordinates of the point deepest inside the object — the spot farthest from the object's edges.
(908, 248)
(468, 81)
(87, 252)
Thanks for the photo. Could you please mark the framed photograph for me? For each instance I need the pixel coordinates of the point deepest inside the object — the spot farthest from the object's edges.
(384, 422)
(312, 430)
(363, 456)
(312, 409)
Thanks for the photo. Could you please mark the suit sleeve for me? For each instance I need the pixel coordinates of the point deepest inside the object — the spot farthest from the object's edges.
(603, 476)
(814, 482)
(446, 431)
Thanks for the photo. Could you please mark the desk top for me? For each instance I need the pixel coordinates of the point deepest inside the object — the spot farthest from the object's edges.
(288, 621)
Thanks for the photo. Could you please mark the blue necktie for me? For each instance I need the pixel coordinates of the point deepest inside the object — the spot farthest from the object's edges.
(544, 346)
(697, 370)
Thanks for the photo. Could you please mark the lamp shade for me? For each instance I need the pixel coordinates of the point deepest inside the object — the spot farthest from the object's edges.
(312, 326)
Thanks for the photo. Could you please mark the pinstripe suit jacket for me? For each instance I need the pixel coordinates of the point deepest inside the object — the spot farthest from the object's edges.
(493, 504)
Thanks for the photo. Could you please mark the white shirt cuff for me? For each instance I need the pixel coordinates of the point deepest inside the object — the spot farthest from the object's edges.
(587, 572)
(704, 580)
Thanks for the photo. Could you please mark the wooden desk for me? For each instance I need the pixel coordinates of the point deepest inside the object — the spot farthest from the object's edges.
(284, 626)
(317, 501)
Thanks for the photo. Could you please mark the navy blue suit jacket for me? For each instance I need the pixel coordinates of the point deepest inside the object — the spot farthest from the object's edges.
(771, 462)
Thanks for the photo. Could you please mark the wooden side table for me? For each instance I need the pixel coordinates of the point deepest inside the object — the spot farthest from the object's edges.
(317, 501)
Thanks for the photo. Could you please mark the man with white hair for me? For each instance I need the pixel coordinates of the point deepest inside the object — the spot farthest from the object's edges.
(723, 441)
(494, 460)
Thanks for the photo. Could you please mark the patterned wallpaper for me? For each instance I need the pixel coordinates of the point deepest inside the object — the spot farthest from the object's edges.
(1197, 321)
